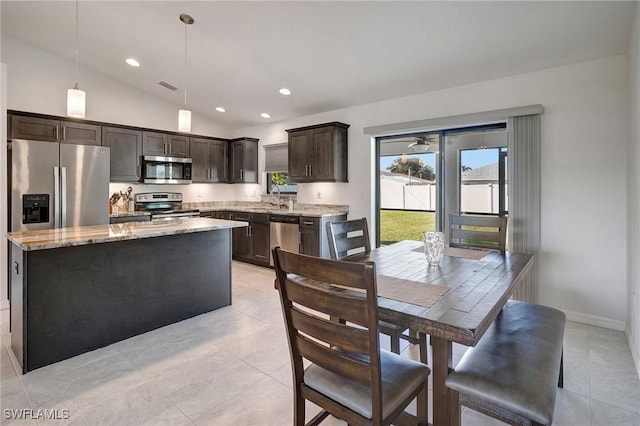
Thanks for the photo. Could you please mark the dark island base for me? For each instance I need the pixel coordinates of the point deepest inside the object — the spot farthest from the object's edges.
(77, 299)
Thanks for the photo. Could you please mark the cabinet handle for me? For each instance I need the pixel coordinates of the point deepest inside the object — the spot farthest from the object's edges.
(55, 131)
(164, 147)
(306, 170)
(310, 170)
(304, 222)
(16, 268)
(64, 132)
(249, 231)
(241, 174)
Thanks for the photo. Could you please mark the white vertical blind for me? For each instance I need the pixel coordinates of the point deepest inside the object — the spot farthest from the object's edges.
(276, 157)
(523, 231)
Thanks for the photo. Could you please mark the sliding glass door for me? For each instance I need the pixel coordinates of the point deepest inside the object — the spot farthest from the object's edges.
(423, 177)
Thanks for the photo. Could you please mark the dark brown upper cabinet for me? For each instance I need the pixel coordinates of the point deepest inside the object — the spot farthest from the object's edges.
(126, 149)
(243, 160)
(49, 130)
(318, 153)
(165, 144)
(210, 160)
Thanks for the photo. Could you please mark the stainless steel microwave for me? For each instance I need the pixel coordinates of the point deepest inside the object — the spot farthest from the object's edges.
(162, 170)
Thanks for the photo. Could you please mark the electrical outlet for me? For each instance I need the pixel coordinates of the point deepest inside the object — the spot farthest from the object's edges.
(319, 195)
(199, 194)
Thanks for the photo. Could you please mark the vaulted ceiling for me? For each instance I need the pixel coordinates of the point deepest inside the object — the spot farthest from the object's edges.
(330, 54)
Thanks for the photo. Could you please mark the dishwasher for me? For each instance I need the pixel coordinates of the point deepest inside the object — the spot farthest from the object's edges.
(284, 231)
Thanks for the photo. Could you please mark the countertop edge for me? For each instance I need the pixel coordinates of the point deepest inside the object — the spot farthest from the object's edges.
(307, 213)
(98, 234)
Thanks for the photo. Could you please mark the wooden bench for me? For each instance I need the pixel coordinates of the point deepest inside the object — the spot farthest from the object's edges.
(513, 371)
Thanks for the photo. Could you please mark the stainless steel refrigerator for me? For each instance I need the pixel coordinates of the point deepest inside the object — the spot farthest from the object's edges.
(57, 185)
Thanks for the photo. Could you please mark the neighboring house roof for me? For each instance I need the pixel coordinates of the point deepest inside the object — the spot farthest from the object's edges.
(488, 173)
(404, 179)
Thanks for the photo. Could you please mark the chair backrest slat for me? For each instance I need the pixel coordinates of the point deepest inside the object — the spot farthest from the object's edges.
(322, 297)
(474, 235)
(478, 231)
(339, 273)
(339, 362)
(333, 333)
(342, 244)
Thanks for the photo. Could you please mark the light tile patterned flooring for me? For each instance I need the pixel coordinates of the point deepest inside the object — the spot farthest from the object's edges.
(231, 367)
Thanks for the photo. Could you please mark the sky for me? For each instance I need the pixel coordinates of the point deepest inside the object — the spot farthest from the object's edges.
(470, 158)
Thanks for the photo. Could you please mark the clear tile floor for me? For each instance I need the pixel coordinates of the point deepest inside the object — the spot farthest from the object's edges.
(231, 367)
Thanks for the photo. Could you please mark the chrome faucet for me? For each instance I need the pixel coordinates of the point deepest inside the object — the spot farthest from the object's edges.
(276, 188)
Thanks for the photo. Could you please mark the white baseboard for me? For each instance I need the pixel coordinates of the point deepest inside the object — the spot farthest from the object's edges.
(595, 321)
(634, 351)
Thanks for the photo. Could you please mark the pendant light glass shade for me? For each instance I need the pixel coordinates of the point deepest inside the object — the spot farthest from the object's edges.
(75, 102)
(184, 120)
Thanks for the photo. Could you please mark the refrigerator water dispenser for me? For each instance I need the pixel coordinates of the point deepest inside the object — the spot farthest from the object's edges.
(35, 208)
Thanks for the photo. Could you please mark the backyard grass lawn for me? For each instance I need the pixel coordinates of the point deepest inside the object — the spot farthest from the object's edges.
(404, 225)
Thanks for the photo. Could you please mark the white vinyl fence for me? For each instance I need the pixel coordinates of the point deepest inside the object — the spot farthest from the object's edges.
(479, 198)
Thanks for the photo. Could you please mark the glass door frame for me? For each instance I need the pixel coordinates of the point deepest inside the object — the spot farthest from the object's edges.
(440, 171)
(439, 163)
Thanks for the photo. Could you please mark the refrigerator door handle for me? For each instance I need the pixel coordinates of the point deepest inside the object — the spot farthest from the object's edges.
(56, 197)
(63, 198)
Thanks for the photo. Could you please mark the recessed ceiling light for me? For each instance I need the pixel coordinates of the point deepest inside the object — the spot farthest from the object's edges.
(221, 109)
(133, 62)
(285, 91)
(265, 115)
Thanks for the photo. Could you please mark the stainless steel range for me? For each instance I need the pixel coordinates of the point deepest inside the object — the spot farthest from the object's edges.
(164, 205)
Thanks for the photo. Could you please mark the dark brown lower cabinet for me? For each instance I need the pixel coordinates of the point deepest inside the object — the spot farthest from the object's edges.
(260, 238)
(313, 234)
(251, 244)
(310, 241)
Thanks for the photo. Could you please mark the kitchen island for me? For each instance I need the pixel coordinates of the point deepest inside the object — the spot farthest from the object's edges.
(74, 290)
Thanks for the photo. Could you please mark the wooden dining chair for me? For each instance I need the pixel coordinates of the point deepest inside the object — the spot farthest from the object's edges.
(349, 377)
(352, 237)
(488, 232)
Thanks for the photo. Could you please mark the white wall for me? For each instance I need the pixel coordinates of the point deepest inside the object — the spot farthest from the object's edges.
(584, 134)
(198, 192)
(633, 191)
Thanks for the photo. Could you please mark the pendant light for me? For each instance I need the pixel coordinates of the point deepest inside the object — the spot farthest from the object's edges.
(76, 97)
(184, 115)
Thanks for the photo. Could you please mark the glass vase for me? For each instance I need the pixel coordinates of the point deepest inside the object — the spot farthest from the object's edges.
(433, 246)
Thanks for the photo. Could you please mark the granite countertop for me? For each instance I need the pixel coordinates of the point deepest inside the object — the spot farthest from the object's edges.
(313, 210)
(83, 235)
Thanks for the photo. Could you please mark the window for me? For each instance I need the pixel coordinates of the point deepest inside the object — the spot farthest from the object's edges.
(279, 182)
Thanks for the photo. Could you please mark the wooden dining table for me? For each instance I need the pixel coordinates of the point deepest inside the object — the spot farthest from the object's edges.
(475, 290)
